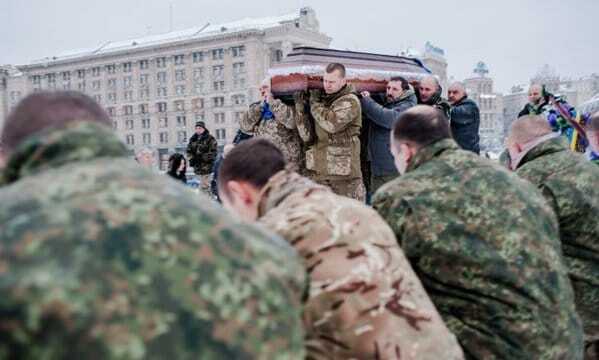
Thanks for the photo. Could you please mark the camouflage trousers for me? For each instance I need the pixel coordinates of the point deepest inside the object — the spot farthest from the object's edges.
(350, 188)
(205, 183)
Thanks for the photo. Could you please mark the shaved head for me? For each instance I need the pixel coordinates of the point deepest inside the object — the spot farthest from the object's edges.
(429, 86)
(430, 80)
(528, 128)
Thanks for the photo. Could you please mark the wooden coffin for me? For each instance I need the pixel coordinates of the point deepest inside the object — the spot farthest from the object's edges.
(302, 69)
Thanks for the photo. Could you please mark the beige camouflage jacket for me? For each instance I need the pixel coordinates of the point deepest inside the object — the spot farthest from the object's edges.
(365, 301)
(281, 130)
(337, 120)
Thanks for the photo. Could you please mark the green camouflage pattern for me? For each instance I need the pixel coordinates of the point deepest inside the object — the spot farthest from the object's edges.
(569, 183)
(102, 259)
(202, 151)
(281, 130)
(485, 245)
(365, 301)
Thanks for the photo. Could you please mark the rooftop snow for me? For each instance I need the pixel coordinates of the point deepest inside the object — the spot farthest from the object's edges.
(181, 35)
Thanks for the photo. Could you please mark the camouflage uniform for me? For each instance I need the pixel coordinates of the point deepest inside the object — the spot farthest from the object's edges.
(569, 184)
(202, 151)
(486, 247)
(281, 130)
(334, 158)
(101, 259)
(365, 301)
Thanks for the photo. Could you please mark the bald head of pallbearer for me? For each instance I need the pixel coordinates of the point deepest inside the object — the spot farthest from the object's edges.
(525, 133)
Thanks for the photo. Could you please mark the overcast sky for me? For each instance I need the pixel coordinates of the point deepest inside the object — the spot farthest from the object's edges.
(514, 37)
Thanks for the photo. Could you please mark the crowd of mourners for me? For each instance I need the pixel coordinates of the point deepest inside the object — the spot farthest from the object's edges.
(338, 225)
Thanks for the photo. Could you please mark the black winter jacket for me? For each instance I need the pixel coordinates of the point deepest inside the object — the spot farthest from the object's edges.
(465, 123)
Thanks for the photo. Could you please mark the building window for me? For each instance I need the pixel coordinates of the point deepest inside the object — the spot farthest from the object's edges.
(143, 108)
(111, 83)
(219, 118)
(198, 88)
(238, 68)
(144, 93)
(51, 80)
(180, 75)
(111, 69)
(147, 138)
(98, 98)
(81, 86)
(180, 90)
(66, 86)
(81, 74)
(130, 140)
(128, 110)
(179, 59)
(145, 123)
(181, 121)
(161, 106)
(161, 92)
(278, 56)
(238, 51)
(200, 117)
(218, 86)
(144, 64)
(161, 77)
(181, 137)
(66, 76)
(127, 82)
(179, 106)
(221, 134)
(163, 122)
(128, 95)
(239, 83)
(198, 56)
(238, 99)
(161, 62)
(36, 79)
(218, 54)
(127, 67)
(96, 71)
(198, 73)
(129, 124)
(96, 85)
(112, 97)
(218, 101)
(218, 71)
(163, 137)
(197, 104)
(144, 78)
(111, 111)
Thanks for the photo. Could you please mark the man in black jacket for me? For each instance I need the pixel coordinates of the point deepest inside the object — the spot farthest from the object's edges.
(464, 118)
(429, 93)
(202, 150)
(399, 97)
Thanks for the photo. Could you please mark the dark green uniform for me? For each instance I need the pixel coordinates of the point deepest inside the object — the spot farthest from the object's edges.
(570, 185)
(101, 259)
(486, 247)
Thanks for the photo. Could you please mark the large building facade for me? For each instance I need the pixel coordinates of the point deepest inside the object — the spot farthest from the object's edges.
(480, 90)
(155, 88)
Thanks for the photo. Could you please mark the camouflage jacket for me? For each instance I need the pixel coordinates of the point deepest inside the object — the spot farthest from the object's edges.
(202, 151)
(569, 184)
(102, 259)
(486, 247)
(281, 130)
(365, 302)
(337, 123)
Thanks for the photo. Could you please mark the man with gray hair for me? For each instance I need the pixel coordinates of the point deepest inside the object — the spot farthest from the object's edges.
(464, 118)
(429, 93)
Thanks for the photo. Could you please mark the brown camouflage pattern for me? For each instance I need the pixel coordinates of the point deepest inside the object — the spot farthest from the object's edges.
(365, 301)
